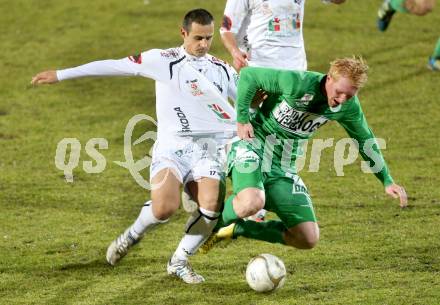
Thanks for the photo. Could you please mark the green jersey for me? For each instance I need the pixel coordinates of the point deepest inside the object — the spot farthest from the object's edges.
(296, 107)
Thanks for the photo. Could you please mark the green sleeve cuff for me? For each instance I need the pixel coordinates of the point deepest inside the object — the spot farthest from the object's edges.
(388, 181)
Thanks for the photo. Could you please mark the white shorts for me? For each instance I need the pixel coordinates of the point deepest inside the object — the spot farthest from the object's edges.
(189, 158)
(277, 57)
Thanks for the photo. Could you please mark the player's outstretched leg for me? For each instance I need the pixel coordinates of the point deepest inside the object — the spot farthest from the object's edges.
(434, 60)
(198, 227)
(132, 235)
(434, 64)
(384, 14)
(183, 270)
(120, 246)
(225, 233)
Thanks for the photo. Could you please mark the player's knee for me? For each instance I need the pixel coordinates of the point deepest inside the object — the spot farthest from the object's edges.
(310, 241)
(428, 7)
(422, 11)
(209, 201)
(420, 7)
(306, 236)
(164, 209)
(306, 241)
(248, 202)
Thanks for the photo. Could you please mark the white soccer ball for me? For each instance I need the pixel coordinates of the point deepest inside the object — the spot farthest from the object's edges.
(265, 272)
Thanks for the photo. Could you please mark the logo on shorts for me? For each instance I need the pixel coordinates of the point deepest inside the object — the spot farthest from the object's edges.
(219, 112)
(298, 185)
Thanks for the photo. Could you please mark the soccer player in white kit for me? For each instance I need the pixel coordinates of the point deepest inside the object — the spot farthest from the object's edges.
(273, 33)
(265, 33)
(194, 122)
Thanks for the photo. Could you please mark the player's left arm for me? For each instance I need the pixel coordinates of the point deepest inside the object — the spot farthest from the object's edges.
(45, 77)
(357, 127)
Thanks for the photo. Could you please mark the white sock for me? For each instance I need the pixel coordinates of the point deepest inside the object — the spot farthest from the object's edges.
(145, 221)
(198, 228)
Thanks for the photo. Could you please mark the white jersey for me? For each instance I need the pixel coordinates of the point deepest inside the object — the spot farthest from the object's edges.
(274, 33)
(242, 36)
(191, 92)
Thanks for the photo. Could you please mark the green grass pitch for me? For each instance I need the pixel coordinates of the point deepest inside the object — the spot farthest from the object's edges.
(54, 234)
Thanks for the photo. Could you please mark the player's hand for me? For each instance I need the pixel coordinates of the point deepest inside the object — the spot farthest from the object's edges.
(46, 77)
(245, 131)
(259, 97)
(239, 59)
(397, 191)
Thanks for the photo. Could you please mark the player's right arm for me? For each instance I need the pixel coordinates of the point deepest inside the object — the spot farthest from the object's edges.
(45, 77)
(234, 15)
(148, 64)
(239, 58)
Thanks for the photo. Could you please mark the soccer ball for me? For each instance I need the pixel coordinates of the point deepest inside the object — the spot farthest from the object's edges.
(265, 272)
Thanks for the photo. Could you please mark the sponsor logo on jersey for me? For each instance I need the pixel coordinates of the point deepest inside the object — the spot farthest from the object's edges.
(296, 22)
(219, 112)
(305, 99)
(137, 59)
(297, 122)
(194, 87)
(183, 120)
(275, 25)
(218, 60)
(169, 53)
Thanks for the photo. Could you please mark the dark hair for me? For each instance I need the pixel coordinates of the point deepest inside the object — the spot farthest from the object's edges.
(199, 16)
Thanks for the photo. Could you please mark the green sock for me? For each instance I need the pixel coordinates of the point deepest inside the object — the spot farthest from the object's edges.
(228, 214)
(436, 53)
(398, 5)
(271, 231)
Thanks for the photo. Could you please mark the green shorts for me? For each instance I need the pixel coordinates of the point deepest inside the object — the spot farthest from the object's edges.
(286, 194)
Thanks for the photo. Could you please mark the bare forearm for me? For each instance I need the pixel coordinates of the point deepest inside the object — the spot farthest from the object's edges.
(229, 42)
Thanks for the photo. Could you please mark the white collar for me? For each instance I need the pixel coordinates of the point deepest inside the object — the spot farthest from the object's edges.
(192, 57)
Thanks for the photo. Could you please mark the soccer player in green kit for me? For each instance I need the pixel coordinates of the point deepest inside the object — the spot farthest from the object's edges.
(414, 7)
(298, 103)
